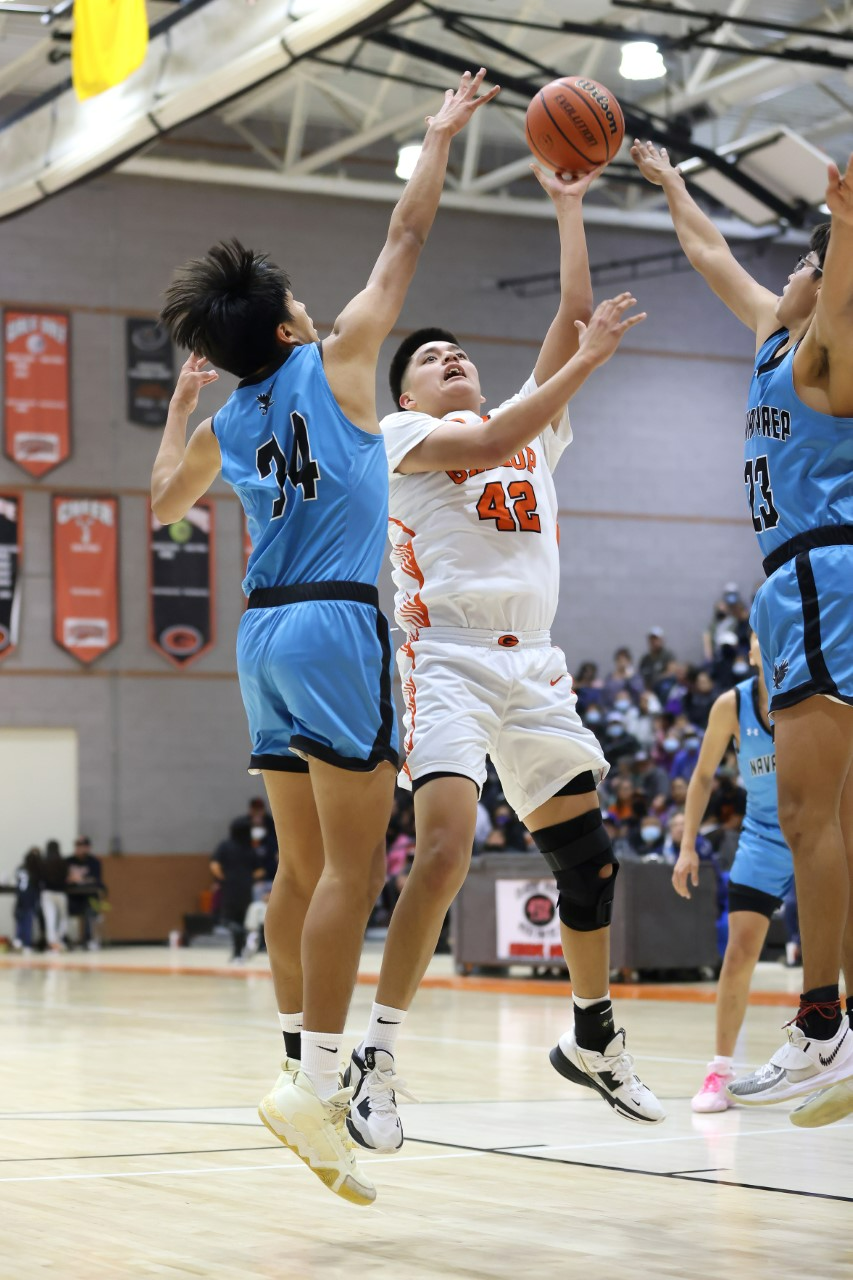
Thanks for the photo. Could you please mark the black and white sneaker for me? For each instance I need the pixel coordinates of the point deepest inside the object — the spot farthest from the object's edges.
(373, 1121)
(611, 1074)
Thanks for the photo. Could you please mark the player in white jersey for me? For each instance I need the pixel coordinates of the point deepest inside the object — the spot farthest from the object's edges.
(473, 526)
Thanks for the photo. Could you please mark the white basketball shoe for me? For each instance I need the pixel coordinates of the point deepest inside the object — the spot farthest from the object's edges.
(825, 1107)
(611, 1074)
(316, 1132)
(799, 1067)
(373, 1120)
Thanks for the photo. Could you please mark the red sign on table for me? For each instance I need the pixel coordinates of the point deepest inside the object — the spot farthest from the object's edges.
(37, 421)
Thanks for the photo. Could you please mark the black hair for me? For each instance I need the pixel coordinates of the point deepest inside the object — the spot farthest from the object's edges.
(819, 242)
(227, 306)
(404, 353)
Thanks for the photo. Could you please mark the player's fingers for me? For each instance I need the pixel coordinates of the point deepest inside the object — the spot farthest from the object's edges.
(487, 97)
(694, 877)
(637, 319)
(581, 327)
(624, 301)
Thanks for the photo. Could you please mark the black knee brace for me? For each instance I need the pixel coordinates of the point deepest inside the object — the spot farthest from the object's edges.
(576, 851)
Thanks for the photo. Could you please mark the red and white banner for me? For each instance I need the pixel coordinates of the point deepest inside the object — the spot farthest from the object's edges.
(528, 926)
(11, 554)
(85, 575)
(37, 419)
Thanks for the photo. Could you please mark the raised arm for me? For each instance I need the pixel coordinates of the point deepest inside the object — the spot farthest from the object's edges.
(455, 446)
(831, 335)
(184, 471)
(365, 323)
(722, 727)
(561, 340)
(706, 248)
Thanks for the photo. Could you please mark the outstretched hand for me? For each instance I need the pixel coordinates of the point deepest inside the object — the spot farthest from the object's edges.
(607, 327)
(653, 162)
(459, 106)
(839, 192)
(192, 378)
(566, 186)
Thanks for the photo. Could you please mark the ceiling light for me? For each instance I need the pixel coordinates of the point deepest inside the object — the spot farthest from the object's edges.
(641, 60)
(407, 158)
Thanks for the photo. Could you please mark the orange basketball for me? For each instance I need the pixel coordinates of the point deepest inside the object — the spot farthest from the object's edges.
(574, 124)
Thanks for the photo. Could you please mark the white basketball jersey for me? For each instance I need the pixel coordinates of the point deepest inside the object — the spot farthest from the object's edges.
(475, 548)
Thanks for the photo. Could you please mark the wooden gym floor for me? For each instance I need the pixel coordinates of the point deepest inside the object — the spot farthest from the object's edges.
(130, 1145)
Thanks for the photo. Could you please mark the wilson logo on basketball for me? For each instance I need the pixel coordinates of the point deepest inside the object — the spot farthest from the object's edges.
(181, 641)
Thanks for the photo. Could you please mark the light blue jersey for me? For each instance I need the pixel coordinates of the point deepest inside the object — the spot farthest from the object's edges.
(313, 650)
(313, 485)
(799, 463)
(799, 481)
(763, 862)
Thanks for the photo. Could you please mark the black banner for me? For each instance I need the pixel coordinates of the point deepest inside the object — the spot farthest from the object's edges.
(150, 372)
(11, 546)
(181, 595)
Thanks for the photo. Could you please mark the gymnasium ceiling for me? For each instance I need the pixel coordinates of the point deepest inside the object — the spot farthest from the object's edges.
(317, 95)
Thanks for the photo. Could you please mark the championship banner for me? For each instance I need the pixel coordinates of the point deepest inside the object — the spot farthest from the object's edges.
(181, 596)
(150, 372)
(528, 926)
(37, 423)
(11, 547)
(85, 576)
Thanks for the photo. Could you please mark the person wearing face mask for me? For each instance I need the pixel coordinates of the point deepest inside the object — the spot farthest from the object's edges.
(684, 760)
(619, 742)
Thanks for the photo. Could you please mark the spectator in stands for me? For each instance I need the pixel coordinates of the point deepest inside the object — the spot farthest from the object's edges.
(684, 760)
(622, 802)
(672, 687)
(54, 899)
(640, 719)
(674, 836)
(728, 664)
(593, 717)
(700, 697)
(623, 678)
(27, 899)
(234, 865)
(588, 686)
(507, 825)
(656, 659)
(85, 888)
(677, 795)
(617, 741)
(647, 837)
(728, 802)
(649, 778)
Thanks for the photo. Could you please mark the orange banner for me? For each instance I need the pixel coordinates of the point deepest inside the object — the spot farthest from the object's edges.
(37, 421)
(85, 575)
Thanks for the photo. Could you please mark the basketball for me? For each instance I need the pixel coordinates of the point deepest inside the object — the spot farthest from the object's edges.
(574, 124)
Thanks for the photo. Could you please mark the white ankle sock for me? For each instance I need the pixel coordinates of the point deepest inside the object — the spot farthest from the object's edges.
(290, 1022)
(583, 1003)
(721, 1061)
(321, 1053)
(383, 1027)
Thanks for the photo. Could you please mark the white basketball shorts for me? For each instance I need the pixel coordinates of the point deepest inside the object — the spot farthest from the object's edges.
(471, 693)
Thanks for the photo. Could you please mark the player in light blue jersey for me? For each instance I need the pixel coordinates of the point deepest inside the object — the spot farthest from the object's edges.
(763, 870)
(299, 441)
(798, 474)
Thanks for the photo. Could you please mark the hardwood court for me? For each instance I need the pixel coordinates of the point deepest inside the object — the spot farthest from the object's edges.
(130, 1145)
